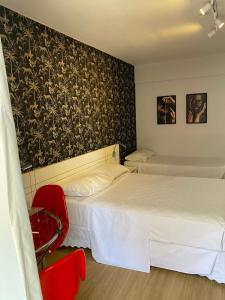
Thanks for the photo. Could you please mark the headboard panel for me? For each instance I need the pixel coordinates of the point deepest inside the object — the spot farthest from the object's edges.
(59, 172)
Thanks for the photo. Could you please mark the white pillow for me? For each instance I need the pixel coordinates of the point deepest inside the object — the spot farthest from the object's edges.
(111, 170)
(86, 185)
(140, 155)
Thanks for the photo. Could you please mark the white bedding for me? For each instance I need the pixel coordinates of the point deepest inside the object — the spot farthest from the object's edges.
(208, 167)
(143, 220)
(78, 235)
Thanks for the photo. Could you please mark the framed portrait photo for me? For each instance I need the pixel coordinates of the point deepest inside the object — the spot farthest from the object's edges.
(166, 109)
(196, 108)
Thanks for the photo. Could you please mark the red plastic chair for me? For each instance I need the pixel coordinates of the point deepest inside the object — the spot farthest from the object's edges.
(51, 197)
(61, 280)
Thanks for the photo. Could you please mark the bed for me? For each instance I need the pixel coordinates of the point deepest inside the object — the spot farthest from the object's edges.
(208, 167)
(144, 220)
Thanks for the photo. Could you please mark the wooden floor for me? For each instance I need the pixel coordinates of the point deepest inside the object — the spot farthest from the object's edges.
(111, 283)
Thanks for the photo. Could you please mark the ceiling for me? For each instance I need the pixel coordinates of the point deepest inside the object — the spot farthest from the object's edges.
(136, 31)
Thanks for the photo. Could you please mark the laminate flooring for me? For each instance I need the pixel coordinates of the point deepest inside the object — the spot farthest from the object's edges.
(112, 283)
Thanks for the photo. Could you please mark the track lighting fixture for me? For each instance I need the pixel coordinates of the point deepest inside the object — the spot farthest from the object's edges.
(205, 9)
(218, 24)
(212, 32)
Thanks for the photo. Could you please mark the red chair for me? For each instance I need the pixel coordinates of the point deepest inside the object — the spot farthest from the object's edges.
(61, 280)
(51, 197)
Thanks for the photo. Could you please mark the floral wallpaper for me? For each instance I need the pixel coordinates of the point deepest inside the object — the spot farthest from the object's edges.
(67, 97)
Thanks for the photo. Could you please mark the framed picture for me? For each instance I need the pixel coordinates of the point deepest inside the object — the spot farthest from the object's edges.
(196, 108)
(166, 109)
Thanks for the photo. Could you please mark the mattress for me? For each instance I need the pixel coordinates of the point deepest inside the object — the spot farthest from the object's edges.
(207, 167)
(141, 220)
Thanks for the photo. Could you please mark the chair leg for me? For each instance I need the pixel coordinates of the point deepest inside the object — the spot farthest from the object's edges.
(41, 262)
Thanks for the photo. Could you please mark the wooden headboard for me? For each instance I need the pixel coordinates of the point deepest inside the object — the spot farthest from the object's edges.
(59, 172)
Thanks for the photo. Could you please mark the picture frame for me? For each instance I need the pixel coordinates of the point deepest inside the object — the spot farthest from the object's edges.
(196, 108)
(166, 109)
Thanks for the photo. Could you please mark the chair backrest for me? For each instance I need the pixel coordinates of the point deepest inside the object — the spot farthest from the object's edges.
(61, 280)
(52, 198)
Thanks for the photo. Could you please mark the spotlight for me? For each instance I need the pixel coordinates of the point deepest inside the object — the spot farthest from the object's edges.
(219, 23)
(212, 32)
(205, 9)
(211, 6)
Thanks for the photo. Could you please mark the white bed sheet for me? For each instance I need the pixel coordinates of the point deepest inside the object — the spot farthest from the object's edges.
(141, 220)
(208, 167)
(78, 234)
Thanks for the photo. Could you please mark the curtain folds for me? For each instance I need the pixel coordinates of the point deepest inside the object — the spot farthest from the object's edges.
(18, 276)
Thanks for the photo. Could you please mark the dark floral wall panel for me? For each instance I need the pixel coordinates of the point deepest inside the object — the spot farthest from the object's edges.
(67, 98)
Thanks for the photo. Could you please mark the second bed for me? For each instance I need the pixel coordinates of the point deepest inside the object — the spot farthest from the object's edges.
(208, 167)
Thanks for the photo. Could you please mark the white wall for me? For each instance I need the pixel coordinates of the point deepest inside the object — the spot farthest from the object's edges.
(205, 74)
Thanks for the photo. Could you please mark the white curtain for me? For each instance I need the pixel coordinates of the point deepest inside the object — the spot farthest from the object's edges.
(19, 278)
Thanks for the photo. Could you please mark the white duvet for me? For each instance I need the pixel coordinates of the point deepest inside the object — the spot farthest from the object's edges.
(128, 217)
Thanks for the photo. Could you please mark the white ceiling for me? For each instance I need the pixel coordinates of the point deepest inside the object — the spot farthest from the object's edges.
(136, 31)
